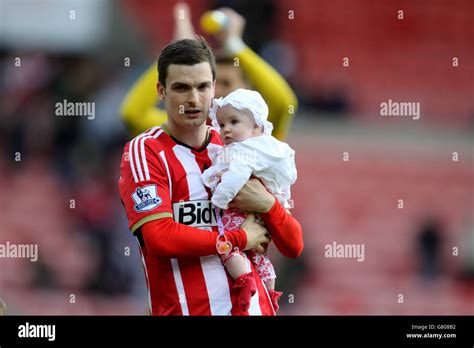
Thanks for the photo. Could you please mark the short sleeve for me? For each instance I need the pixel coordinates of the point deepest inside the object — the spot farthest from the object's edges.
(144, 183)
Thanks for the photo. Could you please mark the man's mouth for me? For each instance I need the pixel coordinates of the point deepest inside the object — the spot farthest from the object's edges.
(228, 140)
(192, 112)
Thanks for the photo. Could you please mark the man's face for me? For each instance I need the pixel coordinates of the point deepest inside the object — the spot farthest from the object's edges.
(229, 78)
(188, 94)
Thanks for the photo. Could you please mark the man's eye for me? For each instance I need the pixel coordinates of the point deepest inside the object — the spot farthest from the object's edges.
(221, 125)
(234, 122)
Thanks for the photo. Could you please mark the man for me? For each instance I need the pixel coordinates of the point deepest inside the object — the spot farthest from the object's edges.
(177, 228)
(238, 67)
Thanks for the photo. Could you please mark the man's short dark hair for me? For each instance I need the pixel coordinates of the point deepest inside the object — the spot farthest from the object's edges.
(185, 52)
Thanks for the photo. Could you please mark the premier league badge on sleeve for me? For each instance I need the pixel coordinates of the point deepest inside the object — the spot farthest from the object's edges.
(146, 198)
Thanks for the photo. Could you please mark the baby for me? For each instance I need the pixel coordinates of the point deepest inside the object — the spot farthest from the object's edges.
(249, 150)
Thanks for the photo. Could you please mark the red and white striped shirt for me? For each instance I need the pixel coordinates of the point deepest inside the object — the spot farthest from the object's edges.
(161, 178)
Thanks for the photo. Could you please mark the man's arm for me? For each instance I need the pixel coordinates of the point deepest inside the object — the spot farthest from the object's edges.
(282, 101)
(285, 230)
(167, 238)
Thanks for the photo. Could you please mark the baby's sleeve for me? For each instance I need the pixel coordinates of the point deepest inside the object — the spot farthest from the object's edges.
(231, 183)
(209, 177)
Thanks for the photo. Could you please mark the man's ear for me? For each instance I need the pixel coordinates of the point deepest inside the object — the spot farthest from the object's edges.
(161, 91)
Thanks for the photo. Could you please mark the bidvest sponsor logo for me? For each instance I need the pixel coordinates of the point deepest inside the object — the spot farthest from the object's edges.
(199, 213)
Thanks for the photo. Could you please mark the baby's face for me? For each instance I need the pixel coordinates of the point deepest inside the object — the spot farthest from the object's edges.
(236, 125)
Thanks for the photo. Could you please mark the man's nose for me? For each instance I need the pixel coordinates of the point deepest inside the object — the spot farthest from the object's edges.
(193, 97)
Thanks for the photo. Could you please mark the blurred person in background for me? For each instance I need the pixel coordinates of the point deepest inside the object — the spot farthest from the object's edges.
(429, 246)
(238, 66)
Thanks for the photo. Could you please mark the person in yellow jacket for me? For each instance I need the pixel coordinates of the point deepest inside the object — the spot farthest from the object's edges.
(242, 68)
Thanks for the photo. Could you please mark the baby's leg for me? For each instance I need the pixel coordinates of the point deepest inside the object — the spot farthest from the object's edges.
(270, 284)
(265, 269)
(267, 274)
(235, 264)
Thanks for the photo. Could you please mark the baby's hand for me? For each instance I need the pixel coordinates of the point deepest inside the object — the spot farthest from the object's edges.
(214, 181)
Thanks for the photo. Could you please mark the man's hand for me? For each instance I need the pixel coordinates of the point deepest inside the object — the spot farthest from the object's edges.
(257, 234)
(235, 28)
(253, 197)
